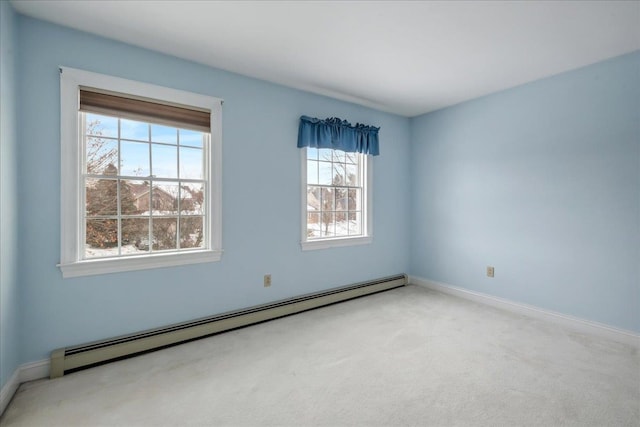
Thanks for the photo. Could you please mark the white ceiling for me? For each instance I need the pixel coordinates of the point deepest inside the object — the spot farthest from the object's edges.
(403, 57)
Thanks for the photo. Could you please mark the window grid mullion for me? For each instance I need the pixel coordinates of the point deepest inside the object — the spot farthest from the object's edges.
(83, 193)
(139, 178)
(119, 204)
(348, 187)
(179, 190)
(151, 187)
(206, 142)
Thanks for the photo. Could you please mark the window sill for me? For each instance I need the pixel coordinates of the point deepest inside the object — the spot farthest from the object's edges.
(311, 245)
(142, 262)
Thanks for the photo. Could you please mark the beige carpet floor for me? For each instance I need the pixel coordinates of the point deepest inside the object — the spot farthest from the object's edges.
(409, 357)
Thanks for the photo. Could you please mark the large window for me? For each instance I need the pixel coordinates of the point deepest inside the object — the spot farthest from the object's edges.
(337, 198)
(140, 175)
(144, 187)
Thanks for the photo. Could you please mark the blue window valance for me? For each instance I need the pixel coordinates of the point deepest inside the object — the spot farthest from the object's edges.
(338, 134)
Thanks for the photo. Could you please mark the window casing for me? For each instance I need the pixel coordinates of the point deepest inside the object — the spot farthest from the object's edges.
(138, 191)
(336, 195)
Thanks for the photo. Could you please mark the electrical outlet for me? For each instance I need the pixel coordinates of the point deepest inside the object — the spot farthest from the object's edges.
(267, 280)
(489, 271)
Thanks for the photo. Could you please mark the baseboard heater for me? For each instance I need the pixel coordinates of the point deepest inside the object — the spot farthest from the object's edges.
(70, 359)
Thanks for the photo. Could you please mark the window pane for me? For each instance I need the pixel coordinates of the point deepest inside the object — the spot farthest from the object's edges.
(164, 161)
(131, 129)
(312, 172)
(313, 198)
(101, 238)
(101, 197)
(338, 174)
(312, 153)
(140, 193)
(135, 235)
(325, 154)
(351, 158)
(324, 173)
(191, 138)
(134, 158)
(313, 224)
(353, 178)
(341, 199)
(101, 153)
(192, 199)
(191, 232)
(355, 223)
(354, 199)
(99, 125)
(191, 163)
(338, 156)
(164, 233)
(328, 224)
(165, 134)
(342, 225)
(164, 198)
(327, 199)
(134, 197)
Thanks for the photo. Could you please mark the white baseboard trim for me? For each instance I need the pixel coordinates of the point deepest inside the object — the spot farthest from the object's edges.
(27, 372)
(34, 371)
(575, 323)
(9, 390)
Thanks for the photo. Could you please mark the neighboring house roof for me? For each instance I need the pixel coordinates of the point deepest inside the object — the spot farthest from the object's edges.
(312, 202)
(139, 190)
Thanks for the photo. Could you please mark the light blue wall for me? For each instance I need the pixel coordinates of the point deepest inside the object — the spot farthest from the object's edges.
(542, 182)
(261, 199)
(9, 289)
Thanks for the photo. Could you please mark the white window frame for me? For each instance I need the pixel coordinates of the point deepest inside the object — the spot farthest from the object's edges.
(72, 263)
(367, 216)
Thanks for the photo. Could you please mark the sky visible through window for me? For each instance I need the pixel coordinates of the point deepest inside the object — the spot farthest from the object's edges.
(134, 151)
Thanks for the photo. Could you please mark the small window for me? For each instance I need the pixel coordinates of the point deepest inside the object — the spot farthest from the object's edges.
(145, 163)
(337, 198)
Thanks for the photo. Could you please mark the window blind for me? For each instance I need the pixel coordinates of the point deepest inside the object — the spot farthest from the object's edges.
(94, 101)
